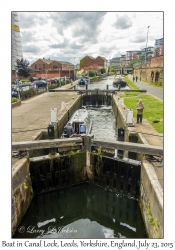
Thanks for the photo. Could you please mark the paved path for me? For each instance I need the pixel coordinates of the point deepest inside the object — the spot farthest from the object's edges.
(157, 92)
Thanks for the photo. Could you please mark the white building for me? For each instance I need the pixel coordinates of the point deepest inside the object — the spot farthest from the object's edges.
(16, 40)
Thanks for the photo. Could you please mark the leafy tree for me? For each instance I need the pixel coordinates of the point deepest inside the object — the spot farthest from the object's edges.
(103, 70)
(140, 60)
(22, 67)
(92, 73)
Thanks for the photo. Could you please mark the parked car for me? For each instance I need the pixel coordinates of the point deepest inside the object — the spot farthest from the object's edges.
(39, 84)
(17, 81)
(32, 79)
(53, 80)
(42, 78)
(15, 93)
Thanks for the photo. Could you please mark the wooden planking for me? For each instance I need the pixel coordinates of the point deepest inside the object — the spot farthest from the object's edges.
(129, 146)
(41, 144)
(54, 143)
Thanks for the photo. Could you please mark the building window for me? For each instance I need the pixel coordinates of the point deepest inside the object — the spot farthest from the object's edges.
(35, 66)
(44, 66)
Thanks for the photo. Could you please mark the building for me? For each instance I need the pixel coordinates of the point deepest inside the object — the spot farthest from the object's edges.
(149, 51)
(16, 41)
(133, 54)
(158, 47)
(47, 64)
(115, 62)
(52, 68)
(91, 63)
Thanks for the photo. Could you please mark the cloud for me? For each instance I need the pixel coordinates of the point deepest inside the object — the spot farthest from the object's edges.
(138, 39)
(31, 49)
(123, 22)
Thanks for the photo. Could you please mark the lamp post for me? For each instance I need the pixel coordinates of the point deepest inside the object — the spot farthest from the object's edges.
(74, 65)
(146, 44)
(69, 75)
(46, 78)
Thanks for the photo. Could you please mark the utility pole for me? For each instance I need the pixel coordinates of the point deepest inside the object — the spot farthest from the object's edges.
(146, 44)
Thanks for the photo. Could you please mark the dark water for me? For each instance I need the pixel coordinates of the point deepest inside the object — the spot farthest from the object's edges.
(80, 212)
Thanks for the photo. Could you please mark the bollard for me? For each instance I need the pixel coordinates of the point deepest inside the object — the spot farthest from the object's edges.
(86, 86)
(107, 86)
(51, 135)
(121, 133)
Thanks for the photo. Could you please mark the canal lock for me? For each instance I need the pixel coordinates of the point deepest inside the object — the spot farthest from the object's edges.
(56, 171)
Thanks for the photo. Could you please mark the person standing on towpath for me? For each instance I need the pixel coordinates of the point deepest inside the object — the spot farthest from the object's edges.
(139, 107)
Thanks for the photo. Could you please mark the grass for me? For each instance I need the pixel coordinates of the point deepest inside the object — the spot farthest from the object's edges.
(130, 83)
(154, 84)
(153, 108)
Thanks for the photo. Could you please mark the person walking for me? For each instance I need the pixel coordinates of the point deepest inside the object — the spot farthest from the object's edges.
(133, 78)
(136, 78)
(139, 107)
(69, 131)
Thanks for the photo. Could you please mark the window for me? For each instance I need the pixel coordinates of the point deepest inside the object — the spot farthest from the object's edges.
(44, 66)
(35, 66)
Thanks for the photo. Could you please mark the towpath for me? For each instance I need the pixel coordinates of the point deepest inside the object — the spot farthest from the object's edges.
(155, 91)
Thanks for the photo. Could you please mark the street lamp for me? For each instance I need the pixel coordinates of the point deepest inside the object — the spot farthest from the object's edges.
(69, 75)
(16, 74)
(146, 44)
(46, 78)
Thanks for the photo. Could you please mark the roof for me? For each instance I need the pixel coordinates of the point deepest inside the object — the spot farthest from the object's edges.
(48, 61)
(103, 58)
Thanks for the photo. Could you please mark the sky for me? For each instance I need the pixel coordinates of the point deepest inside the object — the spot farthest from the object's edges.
(69, 36)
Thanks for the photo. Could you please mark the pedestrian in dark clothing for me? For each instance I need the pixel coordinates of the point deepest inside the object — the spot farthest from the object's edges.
(69, 130)
(139, 107)
(136, 78)
(133, 78)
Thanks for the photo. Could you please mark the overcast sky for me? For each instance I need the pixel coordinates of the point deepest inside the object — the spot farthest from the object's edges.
(69, 36)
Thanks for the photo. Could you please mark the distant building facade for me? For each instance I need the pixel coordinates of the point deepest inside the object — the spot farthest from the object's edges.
(16, 40)
(91, 63)
(47, 64)
(52, 68)
(159, 47)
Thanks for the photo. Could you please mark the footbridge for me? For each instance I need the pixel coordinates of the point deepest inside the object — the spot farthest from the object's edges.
(87, 143)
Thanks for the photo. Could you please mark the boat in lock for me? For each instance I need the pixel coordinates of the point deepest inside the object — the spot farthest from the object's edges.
(119, 82)
(80, 122)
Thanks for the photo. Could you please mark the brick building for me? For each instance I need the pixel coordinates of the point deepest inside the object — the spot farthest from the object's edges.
(153, 72)
(91, 63)
(159, 47)
(51, 68)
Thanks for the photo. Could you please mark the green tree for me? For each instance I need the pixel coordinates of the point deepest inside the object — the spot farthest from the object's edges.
(140, 60)
(22, 67)
(92, 73)
(103, 70)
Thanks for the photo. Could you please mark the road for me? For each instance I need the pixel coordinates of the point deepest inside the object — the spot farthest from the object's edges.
(157, 92)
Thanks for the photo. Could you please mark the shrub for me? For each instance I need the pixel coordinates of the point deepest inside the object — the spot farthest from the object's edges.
(53, 86)
(28, 93)
(14, 99)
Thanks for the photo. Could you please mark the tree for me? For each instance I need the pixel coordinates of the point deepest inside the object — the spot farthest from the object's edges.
(103, 70)
(22, 67)
(139, 61)
(92, 73)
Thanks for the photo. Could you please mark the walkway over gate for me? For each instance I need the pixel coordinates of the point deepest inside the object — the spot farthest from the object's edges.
(86, 143)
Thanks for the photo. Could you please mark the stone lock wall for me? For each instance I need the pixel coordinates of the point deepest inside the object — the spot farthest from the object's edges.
(151, 192)
(22, 192)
